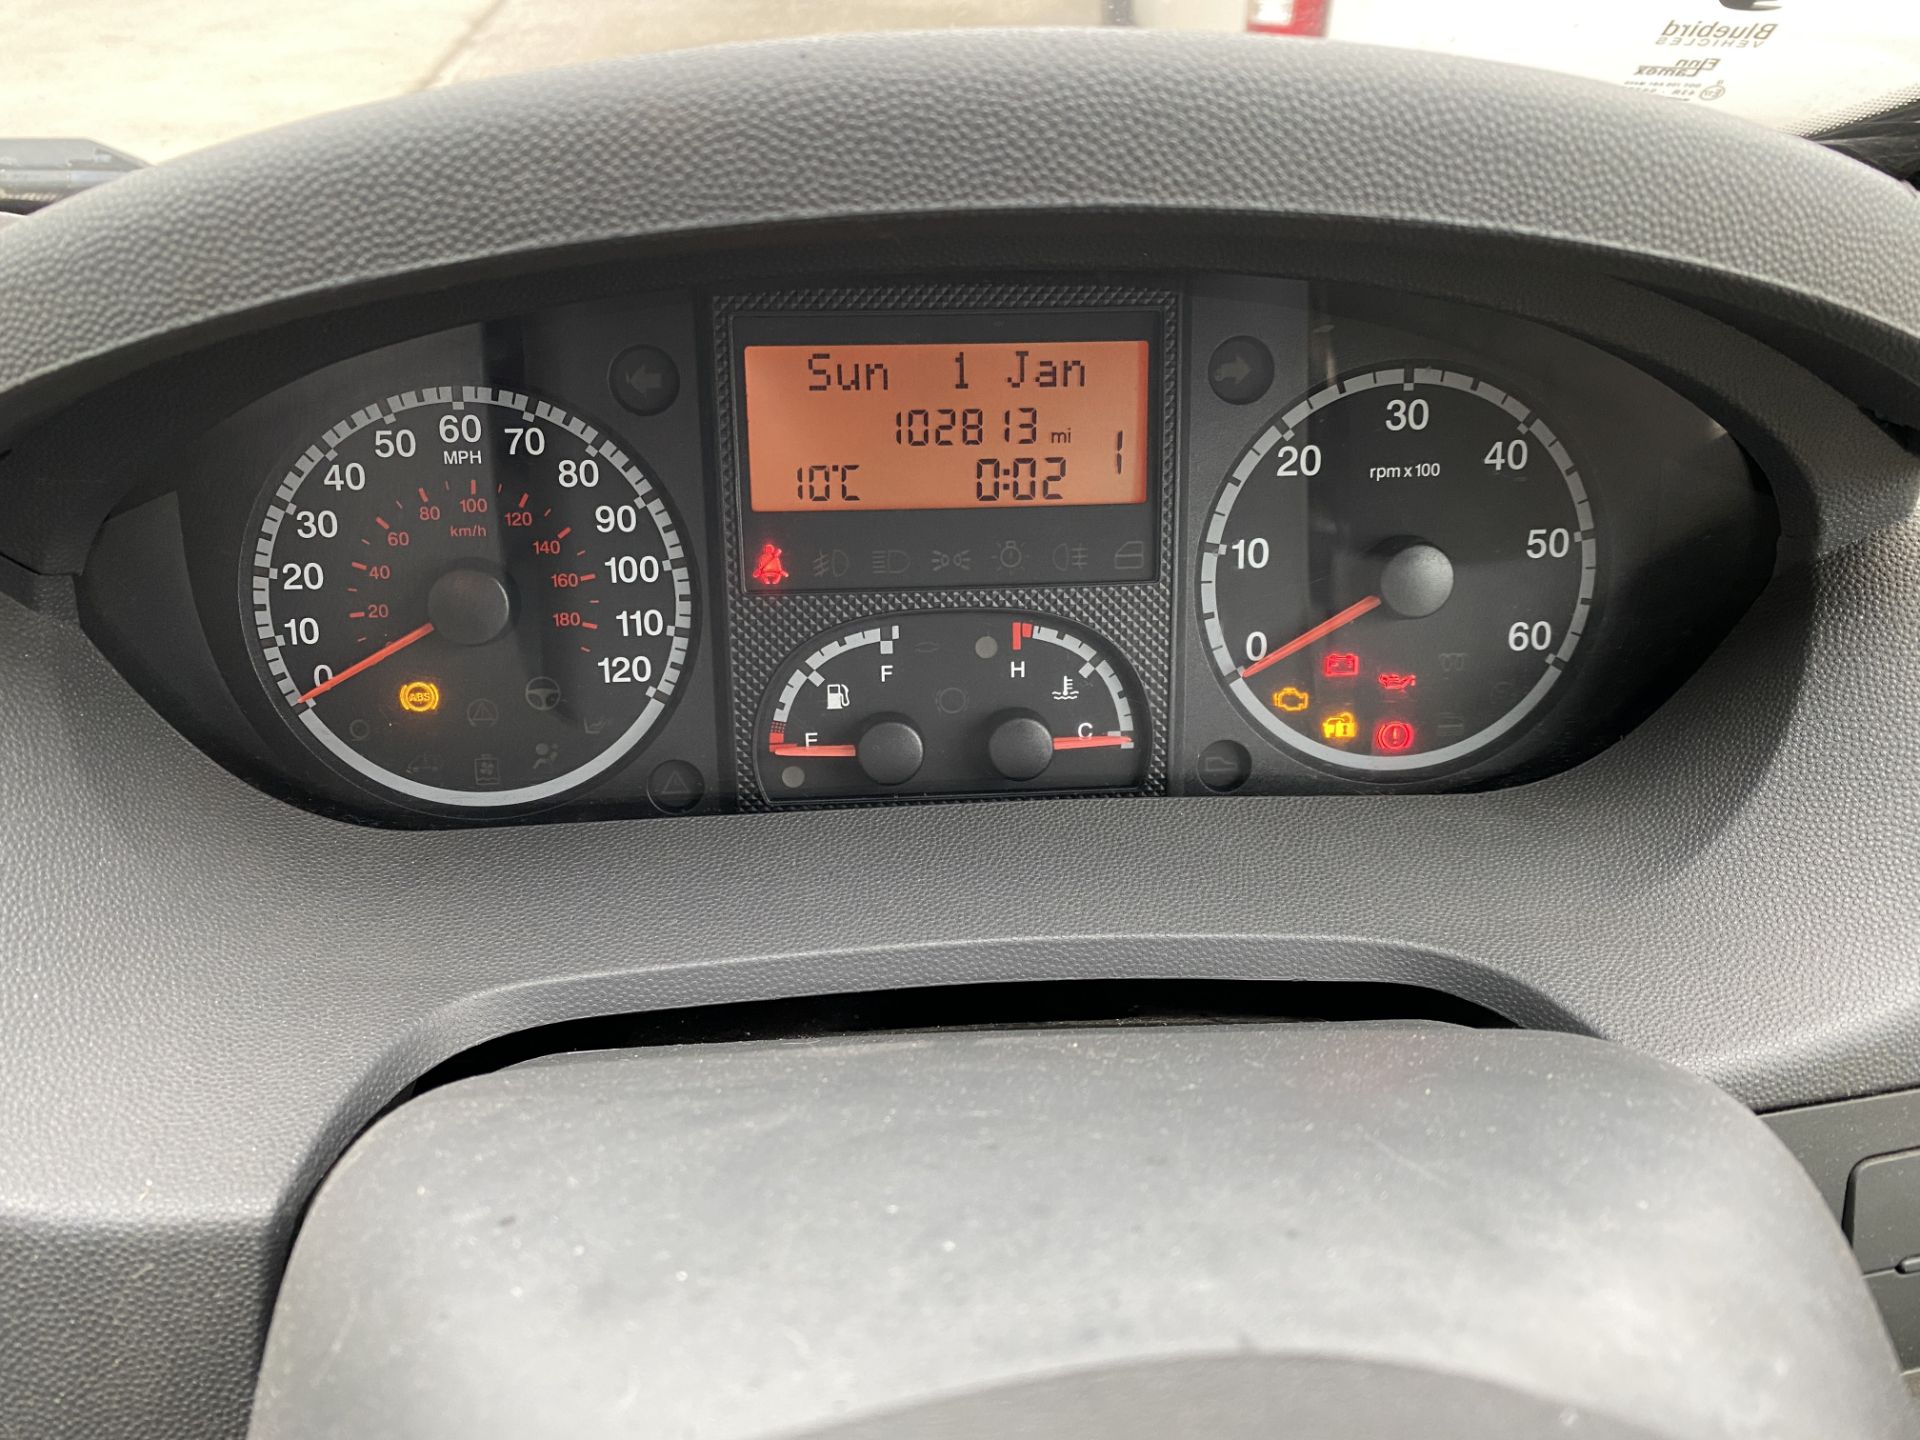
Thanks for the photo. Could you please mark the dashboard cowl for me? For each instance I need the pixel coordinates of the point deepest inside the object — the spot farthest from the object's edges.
(753, 138)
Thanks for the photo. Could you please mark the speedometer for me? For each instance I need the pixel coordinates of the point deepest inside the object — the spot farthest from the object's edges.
(469, 597)
(1398, 570)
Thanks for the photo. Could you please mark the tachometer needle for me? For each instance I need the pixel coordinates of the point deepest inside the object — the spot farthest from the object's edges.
(392, 647)
(1092, 742)
(1300, 642)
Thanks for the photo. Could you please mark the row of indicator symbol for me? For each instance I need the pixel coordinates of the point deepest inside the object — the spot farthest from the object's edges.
(422, 697)
(770, 566)
(486, 768)
(1292, 699)
(1390, 737)
(1345, 665)
(952, 699)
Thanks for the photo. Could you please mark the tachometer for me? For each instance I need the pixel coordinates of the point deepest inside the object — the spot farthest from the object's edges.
(469, 597)
(1398, 569)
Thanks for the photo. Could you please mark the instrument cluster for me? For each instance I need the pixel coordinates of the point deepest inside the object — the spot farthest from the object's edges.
(869, 543)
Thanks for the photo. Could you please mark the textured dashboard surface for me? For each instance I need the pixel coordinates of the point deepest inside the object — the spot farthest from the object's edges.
(763, 135)
(205, 993)
(735, 1241)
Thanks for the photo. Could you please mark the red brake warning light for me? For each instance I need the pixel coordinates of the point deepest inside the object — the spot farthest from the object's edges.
(1391, 737)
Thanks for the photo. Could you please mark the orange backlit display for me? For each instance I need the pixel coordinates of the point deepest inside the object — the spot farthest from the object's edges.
(946, 427)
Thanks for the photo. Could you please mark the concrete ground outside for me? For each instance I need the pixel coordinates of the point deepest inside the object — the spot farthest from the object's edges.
(157, 78)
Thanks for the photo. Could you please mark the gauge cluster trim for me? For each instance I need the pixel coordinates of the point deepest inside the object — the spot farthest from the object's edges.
(1688, 548)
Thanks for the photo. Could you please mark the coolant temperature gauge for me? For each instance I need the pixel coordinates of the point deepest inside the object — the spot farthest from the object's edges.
(963, 703)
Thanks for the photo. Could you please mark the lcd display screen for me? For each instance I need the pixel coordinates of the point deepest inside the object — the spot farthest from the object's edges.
(947, 426)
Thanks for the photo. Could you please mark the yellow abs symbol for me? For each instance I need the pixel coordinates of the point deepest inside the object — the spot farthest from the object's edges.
(419, 697)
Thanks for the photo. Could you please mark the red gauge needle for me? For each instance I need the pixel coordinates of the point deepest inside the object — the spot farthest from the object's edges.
(392, 647)
(1090, 742)
(843, 752)
(1300, 642)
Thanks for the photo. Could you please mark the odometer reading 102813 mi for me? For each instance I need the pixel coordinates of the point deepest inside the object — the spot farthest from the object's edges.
(946, 426)
(469, 597)
(1398, 569)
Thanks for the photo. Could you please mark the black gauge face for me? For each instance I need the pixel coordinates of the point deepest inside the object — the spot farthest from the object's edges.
(469, 597)
(1398, 570)
(976, 702)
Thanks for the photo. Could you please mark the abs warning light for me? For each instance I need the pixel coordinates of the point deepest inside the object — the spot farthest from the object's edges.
(769, 569)
(419, 697)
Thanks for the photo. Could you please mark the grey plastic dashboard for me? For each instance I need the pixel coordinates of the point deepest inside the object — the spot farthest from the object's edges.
(206, 992)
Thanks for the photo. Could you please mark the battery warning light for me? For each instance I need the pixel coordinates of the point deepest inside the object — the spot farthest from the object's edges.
(1337, 664)
(1292, 699)
(1390, 737)
(769, 569)
(419, 697)
(1339, 727)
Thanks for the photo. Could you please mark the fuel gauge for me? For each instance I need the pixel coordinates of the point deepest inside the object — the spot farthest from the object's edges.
(951, 703)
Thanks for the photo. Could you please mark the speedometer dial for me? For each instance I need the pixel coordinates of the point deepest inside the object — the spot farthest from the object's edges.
(469, 597)
(1398, 570)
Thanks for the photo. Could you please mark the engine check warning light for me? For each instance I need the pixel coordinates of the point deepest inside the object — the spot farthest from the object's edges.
(419, 697)
(1391, 737)
(1291, 699)
(1339, 664)
(1339, 727)
(770, 569)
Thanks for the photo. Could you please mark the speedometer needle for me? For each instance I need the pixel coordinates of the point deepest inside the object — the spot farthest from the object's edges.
(1300, 642)
(392, 647)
